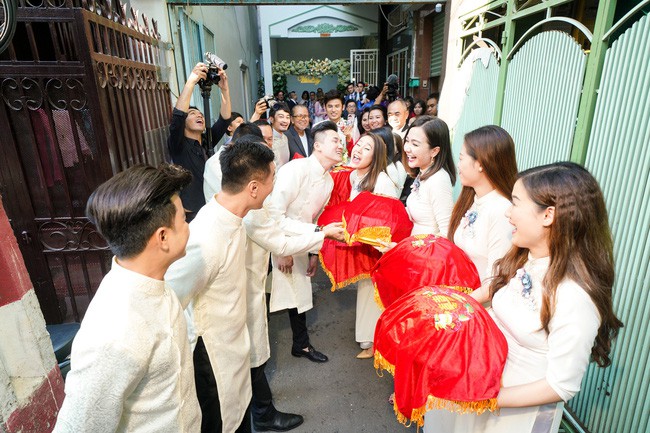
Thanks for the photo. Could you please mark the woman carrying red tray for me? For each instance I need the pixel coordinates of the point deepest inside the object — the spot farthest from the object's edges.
(487, 169)
(369, 159)
(551, 298)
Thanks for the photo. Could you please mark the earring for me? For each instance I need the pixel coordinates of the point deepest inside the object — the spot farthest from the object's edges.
(480, 169)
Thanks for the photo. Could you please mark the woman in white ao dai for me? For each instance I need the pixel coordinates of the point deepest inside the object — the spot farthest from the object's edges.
(551, 298)
(369, 158)
(487, 169)
(427, 151)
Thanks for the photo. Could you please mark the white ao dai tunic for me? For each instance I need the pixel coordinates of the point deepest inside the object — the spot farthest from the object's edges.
(211, 276)
(560, 356)
(430, 204)
(265, 236)
(367, 310)
(484, 233)
(131, 362)
(301, 190)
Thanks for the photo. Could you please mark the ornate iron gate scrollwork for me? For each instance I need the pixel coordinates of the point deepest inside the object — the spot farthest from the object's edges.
(80, 100)
(7, 22)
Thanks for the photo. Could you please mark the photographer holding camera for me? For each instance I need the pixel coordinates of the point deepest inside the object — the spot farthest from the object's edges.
(185, 136)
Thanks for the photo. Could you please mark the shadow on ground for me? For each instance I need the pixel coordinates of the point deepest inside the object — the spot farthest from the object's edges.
(343, 395)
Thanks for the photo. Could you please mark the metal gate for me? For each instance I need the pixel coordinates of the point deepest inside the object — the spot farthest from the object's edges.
(616, 398)
(80, 102)
(542, 96)
(363, 66)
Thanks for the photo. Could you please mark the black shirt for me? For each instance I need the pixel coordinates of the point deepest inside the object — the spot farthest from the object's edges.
(187, 153)
(219, 129)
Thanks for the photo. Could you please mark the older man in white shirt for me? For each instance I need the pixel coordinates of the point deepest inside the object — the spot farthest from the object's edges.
(300, 193)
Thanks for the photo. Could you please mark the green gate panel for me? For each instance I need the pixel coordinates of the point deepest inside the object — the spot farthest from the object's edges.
(616, 399)
(437, 44)
(542, 96)
(478, 109)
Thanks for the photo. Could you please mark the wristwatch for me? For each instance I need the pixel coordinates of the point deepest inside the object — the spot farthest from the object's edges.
(318, 228)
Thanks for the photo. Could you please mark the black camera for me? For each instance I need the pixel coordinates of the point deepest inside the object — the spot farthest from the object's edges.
(393, 87)
(269, 100)
(214, 64)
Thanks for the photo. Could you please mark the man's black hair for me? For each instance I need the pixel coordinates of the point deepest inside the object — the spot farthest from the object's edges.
(280, 106)
(332, 94)
(321, 127)
(372, 93)
(234, 117)
(245, 160)
(128, 208)
(247, 128)
(261, 122)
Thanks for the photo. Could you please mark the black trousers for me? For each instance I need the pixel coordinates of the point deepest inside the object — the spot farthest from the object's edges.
(299, 329)
(208, 395)
(262, 408)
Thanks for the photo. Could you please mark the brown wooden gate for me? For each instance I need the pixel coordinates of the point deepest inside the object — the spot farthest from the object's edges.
(81, 100)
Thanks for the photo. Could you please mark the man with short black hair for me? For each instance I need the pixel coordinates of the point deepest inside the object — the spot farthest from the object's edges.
(267, 132)
(131, 361)
(300, 140)
(432, 104)
(349, 92)
(185, 135)
(210, 276)
(293, 100)
(301, 191)
(226, 126)
(280, 119)
(334, 110)
(212, 174)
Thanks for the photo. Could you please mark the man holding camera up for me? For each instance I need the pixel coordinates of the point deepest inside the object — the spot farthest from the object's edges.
(184, 141)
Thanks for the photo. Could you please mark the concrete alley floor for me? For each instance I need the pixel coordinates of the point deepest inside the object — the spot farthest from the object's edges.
(343, 395)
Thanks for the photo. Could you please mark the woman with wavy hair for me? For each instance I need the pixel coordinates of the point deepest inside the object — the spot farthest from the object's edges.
(551, 297)
(369, 159)
(487, 169)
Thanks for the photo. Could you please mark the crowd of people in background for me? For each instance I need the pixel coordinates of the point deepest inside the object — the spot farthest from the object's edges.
(539, 239)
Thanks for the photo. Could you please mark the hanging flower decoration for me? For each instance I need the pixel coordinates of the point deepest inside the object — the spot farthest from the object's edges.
(314, 68)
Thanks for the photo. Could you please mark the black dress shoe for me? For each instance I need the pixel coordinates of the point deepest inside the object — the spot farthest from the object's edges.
(280, 422)
(311, 354)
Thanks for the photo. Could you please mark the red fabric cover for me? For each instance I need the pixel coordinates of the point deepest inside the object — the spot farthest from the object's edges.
(444, 351)
(346, 264)
(343, 265)
(349, 144)
(342, 186)
(369, 211)
(297, 155)
(422, 260)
